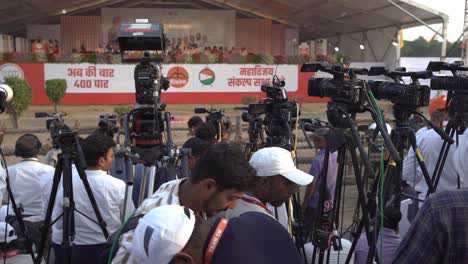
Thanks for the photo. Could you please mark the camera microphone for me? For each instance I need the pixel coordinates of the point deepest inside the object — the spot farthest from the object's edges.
(6, 94)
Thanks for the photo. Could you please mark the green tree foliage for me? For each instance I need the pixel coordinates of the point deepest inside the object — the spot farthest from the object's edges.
(421, 47)
(56, 90)
(22, 98)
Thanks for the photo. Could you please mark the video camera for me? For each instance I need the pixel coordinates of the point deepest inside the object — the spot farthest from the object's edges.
(410, 96)
(145, 122)
(149, 40)
(59, 131)
(344, 87)
(456, 85)
(279, 114)
(108, 124)
(217, 118)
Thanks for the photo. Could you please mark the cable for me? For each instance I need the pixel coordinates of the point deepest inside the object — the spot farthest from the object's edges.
(119, 233)
(382, 167)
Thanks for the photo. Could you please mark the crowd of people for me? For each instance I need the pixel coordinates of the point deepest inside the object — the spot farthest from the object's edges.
(230, 209)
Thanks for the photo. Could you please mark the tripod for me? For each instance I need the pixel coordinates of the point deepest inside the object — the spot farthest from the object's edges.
(326, 222)
(403, 137)
(71, 154)
(455, 127)
(255, 134)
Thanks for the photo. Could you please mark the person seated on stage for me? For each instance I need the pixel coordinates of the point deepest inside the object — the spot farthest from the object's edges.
(169, 234)
(25, 177)
(206, 131)
(311, 197)
(251, 238)
(277, 180)
(391, 239)
(218, 180)
(193, 123)
(109, 193)
(439, 231)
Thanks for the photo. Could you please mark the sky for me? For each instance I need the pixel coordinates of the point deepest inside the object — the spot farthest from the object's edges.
(453, 8)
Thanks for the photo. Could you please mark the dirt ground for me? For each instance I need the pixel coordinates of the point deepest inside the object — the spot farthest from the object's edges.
(85, 118)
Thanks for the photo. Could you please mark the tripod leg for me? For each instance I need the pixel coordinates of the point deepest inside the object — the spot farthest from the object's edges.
(152, 176)
(130, 171)
(422, 164)
(67, 208)
(50, 207)
(142, 185)
(99, 218)
(443, 159)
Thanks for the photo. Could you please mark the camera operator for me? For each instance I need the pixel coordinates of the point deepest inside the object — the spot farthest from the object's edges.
(218, 180)
(109, 193)
(277, 180)
(25, 178)
(193, 123)
(430, 143)
(198, 148)
(176, 236)
(206, 131)
(311, 197)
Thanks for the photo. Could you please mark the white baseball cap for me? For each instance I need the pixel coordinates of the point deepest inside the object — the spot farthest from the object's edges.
(273, 161)
(162, 233)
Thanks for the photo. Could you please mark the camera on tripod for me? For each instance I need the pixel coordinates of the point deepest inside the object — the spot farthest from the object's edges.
(217, 118)
(108, 124)
(403, 95)
(457, 101)
(278, 112)
(55, 123)
(343, 87)
(145, 122)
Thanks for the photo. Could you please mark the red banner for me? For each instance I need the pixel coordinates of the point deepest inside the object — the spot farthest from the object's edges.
(34, 74)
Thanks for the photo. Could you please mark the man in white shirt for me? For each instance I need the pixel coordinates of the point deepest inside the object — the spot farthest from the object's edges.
(25, 179)
(109, 193)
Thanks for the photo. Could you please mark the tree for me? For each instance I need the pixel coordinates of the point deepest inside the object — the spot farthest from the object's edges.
(22, 98)
(56, 90)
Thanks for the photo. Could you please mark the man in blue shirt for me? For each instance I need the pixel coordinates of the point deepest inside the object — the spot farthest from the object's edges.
(311, 197)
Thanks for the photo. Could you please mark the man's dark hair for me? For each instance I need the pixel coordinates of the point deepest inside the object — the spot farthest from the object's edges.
(225, 163)
(27, 146)
(206, 131)
(392, 217)
(95, 146)
(194, 121)
(198, 146)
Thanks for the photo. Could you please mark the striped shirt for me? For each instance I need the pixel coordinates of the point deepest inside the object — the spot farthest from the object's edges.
(167, 194)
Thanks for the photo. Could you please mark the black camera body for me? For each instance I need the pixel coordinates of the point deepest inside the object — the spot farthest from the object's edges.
(148, 82)
(108, 124)
(59, 131)
(341, 88)
(217, 118)
(146, 119)
(457, 88)
(278, 113)
(410, 96)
